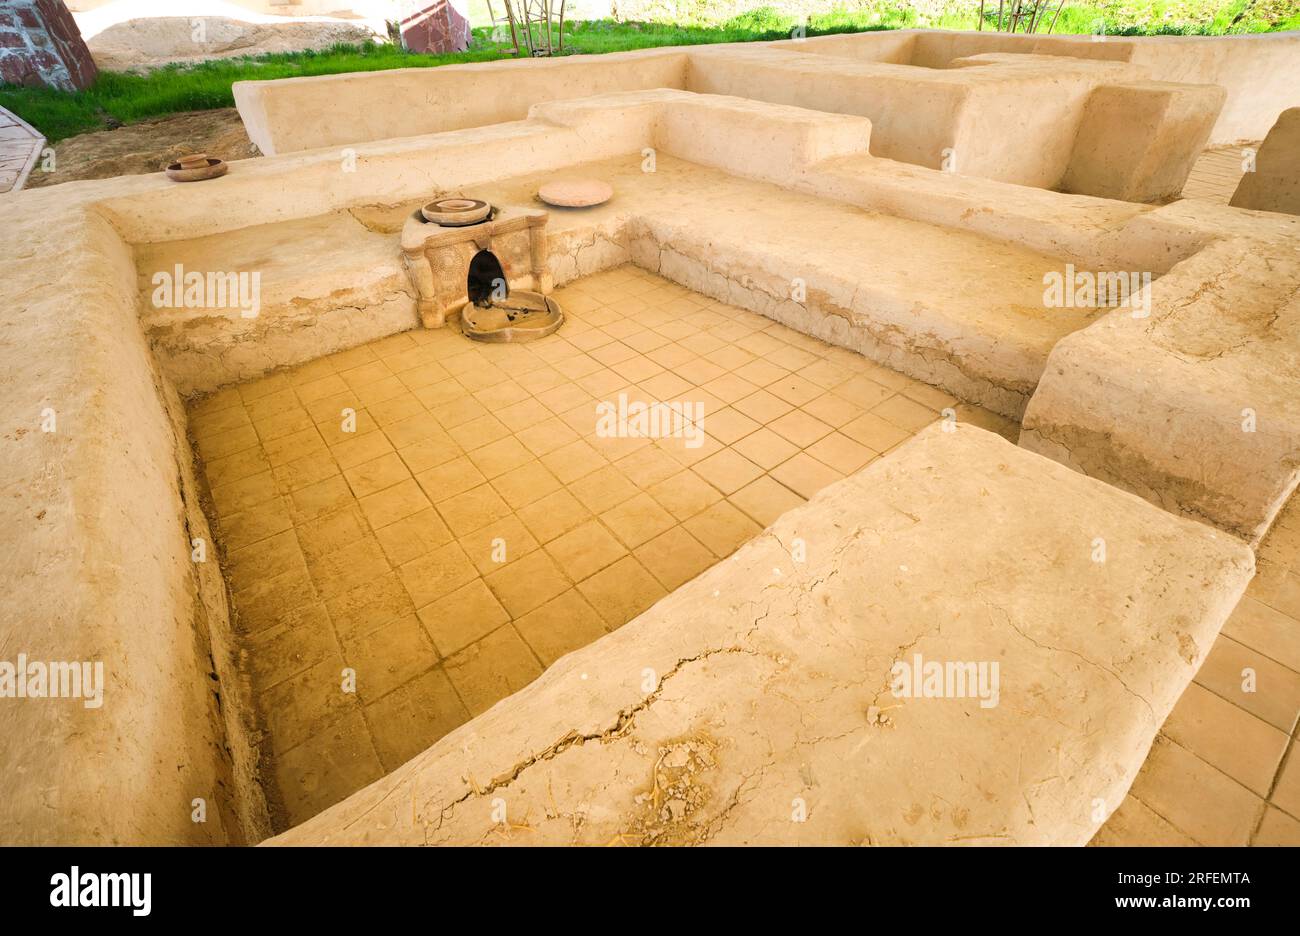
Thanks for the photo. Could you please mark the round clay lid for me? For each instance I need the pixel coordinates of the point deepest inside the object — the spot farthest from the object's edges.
(576, 193)
(456, 211)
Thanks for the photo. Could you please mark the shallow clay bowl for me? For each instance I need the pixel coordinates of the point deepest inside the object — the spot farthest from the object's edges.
(576, 193)
(456, 211)
(196, 168)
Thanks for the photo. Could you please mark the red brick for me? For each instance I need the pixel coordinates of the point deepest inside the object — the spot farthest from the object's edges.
(436, 28)
(14, 70)
(49, 44)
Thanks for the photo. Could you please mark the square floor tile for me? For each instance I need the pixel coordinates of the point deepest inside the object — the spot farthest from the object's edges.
(369, 606)
(326, 768)
(413, 536)
(562, 625)
(766, 449)
(637, 520)
(394, 503)
(729, 425)
(762, 406)
(437, 573)
(553, 515)
(799, 428)
(473, 509)
(585, 550)
(527, 583)
(906, 414)
(602, 489)
(573, 461)
(1196, 798)
(412, 717)
(722, 528)
(458, 619)
(728, 470)
(1252, 681)
(388, 656)
(498, 544)
(841, 453)
(501, 456)
(674, 558)
(764, 500)
(805, 475)
(492, 668)
(684, 494)
(621, 591)
(1242, 746)
(875, 433)
(374, 476)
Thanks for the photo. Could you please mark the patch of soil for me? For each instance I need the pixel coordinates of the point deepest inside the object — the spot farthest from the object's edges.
(148, 146)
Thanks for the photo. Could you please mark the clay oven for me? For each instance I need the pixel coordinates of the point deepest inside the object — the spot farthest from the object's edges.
(455, 264)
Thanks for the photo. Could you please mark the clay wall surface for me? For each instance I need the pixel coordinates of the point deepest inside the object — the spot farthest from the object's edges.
(909, 87)
(297, 114)
(1258, 71)
(104, 512)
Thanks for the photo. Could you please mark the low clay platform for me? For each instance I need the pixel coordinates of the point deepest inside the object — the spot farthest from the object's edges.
(875, 283)
(328, 274)
(752, 705)
(1196, 408)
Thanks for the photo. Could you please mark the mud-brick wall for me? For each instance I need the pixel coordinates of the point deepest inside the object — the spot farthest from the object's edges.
(40, 44)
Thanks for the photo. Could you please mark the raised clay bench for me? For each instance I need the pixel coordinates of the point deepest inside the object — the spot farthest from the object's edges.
(870, 280)
(324, 284)
(753, 704)
(1196, 408)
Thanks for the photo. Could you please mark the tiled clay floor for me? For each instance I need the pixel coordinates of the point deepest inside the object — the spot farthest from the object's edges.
(474, 527)
(1225, 769)
(1215, 174)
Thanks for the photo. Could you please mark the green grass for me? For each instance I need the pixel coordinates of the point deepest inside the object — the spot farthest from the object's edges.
(118, 98)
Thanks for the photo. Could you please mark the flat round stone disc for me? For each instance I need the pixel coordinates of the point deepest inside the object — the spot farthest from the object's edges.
(456, 211)
(576, 193)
